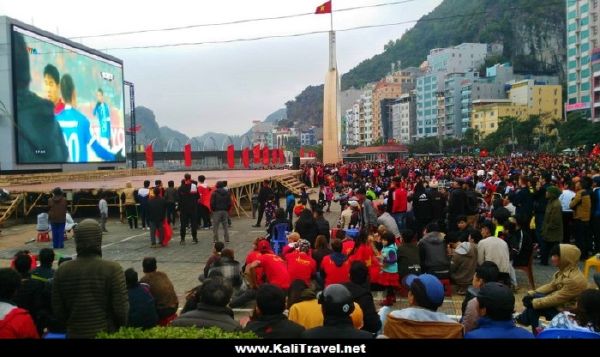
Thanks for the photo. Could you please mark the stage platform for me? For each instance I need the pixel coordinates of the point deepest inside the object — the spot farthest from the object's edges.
(235, 178)
(31, 191)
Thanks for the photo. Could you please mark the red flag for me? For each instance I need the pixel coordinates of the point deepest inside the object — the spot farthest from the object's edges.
(266, 155)
(246, 157)
(230, 156)
(187, 155)
(325, 8)
(256, 154)
(275, 156)
(281, 156)
(149, 156)
(301, 152)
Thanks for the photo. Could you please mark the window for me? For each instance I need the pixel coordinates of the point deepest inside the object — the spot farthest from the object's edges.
(492, 125)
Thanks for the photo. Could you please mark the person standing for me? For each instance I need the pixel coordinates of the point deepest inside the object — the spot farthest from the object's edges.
(89, 293)
(142, 198)
(220, 203)
(157, 211)
(103, 207)
(188, 208)
(263, 197)
(128, 200)
(205, 193)
(58, 217)
(596, 213)
(171, 198)
(567, 213)
(552, 229)
(581, 205)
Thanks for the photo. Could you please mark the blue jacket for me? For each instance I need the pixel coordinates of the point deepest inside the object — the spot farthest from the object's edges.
(596, 203)
(489, 328)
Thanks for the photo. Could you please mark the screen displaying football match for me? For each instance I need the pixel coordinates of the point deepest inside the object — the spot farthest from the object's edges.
(68, 103)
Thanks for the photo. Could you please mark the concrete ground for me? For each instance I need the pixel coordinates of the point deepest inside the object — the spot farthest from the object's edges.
(184, 263)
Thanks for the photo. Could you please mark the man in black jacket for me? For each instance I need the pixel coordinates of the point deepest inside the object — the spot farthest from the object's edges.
(322, 224)
(263, 196)
(457, 204)
(220, 203)
(361, 293)
(188, 207)
(337, 304)
(157, 212)
(268, 320)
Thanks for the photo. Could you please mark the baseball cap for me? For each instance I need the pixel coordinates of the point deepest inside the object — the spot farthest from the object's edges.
(263, 246)
(496, 295)
(433, 287)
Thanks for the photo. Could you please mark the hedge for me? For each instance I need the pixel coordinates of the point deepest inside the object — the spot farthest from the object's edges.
(174, 332)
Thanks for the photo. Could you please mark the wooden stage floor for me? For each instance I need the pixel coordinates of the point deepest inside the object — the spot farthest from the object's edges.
(235, 178)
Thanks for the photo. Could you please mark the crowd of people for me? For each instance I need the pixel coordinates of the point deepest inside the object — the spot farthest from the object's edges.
(410, 228)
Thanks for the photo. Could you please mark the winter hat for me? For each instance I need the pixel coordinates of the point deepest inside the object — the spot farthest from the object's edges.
(88, 238)
(303, 245)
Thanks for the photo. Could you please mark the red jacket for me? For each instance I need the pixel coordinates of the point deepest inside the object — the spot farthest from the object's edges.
(334, 273)
(16, 323)
(400, 200)
(259, 271)
(204, 192)
(347, 246)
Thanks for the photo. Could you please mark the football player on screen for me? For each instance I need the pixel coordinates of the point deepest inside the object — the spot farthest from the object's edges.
(102, 112)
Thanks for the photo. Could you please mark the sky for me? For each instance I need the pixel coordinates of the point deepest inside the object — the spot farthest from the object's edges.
(221, 87)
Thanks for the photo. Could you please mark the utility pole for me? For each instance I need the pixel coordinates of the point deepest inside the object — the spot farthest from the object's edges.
(512, 135)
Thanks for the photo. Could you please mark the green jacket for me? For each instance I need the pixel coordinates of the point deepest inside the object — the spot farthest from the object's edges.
(552, 228)
(89, 294)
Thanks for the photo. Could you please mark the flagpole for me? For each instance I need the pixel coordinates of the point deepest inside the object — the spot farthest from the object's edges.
(331, 16)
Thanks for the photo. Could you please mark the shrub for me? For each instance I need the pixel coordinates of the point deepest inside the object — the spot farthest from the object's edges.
(174, 332)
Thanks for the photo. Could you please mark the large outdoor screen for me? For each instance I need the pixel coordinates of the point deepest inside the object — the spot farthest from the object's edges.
(68, 103)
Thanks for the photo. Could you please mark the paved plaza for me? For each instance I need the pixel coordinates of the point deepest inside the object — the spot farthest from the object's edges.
(184, 263)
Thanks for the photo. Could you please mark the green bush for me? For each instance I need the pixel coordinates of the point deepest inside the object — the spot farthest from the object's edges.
(159, 332)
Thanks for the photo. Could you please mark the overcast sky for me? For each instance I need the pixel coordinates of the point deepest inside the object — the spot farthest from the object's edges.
(221, 87)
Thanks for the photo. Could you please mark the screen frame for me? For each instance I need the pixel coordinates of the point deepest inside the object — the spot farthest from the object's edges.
(68, 45)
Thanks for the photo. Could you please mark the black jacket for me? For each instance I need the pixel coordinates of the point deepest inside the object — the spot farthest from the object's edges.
(457, 204)
(188, 198)
(323, 227)
(274, 326)
(308, 230)
(363, 297)
(433, 254)
(157, 210)
(142, 310)
(438, 205)
(409, 261)
(206, 316)
(220, 200)
(264, 194)
(336, 327)
(422, 207)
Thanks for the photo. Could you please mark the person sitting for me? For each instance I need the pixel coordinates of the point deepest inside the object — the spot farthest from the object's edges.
(280, 218)
(433, 253)
(336, 304)
(229, 268)
(361, 293)
(15, 322)
(30, 292)
(211, 311)
(585, 317)
(421, 319)
(321, 250)
(566, 285)
(492, 248)
(409, 260)
(322, 224)
(300, 264)
(142, 310)
(44, 272)
(496, 305)
(486, 273)
(268, 320)
(216, 255)
(162, 289)
(293, 239)
(274, 268)
(335, 268)
(463, 262)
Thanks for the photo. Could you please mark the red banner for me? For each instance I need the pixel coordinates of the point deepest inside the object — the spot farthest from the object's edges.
(149, 156)
(281, 156)
(230, 156)
(266, 155)
(187, 155)
(275, 156)
(246, 157)
(256, 154)
(301, 152)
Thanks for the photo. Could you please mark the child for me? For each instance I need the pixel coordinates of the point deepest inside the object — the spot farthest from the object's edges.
(103, 206)
(270, 208)
(389, 268)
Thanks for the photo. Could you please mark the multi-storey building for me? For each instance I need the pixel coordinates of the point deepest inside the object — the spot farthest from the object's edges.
(404, 116)
(579, 48)
(539, 98)
(462, 59)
